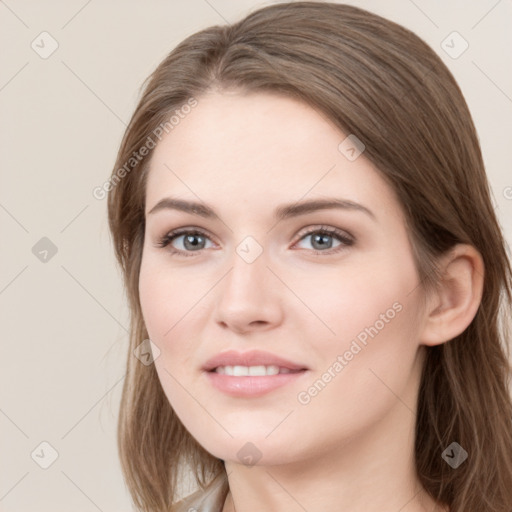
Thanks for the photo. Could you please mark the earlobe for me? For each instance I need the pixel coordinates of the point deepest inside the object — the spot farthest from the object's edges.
(454, 305)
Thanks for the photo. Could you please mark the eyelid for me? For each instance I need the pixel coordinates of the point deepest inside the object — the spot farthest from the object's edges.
(331, 230)
(171, 235)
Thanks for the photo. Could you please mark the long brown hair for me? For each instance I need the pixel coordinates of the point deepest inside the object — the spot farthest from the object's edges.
(375, 79)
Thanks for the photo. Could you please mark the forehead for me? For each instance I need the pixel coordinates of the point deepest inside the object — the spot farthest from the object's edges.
(255, 150)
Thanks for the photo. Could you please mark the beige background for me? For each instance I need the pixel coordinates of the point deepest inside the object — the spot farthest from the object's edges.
(64, 321)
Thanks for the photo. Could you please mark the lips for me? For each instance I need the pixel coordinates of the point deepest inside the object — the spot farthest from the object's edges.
(250, 358)
(227, 372)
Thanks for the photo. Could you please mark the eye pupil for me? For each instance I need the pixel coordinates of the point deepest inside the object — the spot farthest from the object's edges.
(189, 244)
(320, 238)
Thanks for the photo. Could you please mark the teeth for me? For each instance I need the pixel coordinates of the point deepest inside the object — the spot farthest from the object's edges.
(245, 371)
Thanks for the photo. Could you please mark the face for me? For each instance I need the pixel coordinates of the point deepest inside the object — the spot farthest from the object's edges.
(333, 290)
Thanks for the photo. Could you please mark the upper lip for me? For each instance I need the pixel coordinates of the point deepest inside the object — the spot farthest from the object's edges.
(250, 358)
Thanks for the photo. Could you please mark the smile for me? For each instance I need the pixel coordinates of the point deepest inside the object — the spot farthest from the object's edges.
(240, 384)
(253, 371)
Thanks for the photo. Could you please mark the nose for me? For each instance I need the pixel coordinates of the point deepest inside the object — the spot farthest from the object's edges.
(248, 298)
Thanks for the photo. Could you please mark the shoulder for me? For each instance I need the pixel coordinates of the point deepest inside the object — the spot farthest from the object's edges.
(209, 499)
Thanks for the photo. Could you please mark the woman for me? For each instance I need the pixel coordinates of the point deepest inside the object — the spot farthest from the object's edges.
(315, 273)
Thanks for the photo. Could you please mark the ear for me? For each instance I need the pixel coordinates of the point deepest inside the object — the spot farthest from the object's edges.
(453, 306)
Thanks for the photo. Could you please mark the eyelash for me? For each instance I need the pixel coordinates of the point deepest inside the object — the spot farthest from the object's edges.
(324, 230)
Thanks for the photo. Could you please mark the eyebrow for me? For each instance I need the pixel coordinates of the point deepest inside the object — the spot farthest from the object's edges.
(282, 212)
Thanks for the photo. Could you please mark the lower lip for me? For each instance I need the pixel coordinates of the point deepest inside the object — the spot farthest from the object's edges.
(252, 386)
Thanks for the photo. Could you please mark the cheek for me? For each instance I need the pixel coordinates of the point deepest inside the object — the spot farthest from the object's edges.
(154, 297)
(166, 298)
(370, 323)
(168, 312)
(355, 299)
(368, 369)
(173, 304)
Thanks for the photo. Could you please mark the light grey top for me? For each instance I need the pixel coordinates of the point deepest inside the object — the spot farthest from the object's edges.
(209, 499)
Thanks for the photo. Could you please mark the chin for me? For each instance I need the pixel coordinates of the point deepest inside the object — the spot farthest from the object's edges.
(252, 449)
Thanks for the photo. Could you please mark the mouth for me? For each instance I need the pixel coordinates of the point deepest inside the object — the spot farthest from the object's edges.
(251, 374)
(253, 371)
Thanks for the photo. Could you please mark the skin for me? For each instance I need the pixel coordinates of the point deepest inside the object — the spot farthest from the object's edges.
(352, 444)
